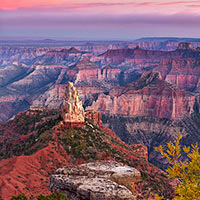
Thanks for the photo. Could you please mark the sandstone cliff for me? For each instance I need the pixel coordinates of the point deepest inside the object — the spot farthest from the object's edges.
(184, 73)
(148, 96)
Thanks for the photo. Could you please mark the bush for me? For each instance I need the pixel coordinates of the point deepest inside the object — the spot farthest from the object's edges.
(52, 196)
(187, 172)
(21, 196)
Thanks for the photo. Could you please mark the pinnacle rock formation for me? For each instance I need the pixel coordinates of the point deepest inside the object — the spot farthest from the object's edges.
(72, 109)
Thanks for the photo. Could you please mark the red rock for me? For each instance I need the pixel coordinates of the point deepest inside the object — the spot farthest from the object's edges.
(29, 174)
(140, 150)
(184, 73)
(148, 96)
(94, 116)
(141, 56)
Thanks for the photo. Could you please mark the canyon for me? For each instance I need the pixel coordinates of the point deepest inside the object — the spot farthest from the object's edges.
(148, 92)
(37, 142)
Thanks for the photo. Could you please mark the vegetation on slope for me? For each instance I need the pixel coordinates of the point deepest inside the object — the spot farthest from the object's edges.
(52, 196)
(35, 130)
(27, 132)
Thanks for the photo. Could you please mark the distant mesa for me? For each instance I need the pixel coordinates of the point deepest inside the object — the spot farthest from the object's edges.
(71, 50)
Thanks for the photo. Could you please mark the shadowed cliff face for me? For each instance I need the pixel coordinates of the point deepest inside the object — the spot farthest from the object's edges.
(152, 132)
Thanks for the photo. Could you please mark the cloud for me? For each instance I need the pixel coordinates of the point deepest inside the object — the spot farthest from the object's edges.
(194, 6)
(69, 19)
(178, 3)
(67, 5)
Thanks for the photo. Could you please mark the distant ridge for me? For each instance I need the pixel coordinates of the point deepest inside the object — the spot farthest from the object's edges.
(164, 39)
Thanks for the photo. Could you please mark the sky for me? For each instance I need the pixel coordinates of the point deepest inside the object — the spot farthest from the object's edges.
(99, 19)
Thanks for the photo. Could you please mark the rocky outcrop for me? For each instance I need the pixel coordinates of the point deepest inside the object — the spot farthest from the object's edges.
(148, 96)
(184, 73)
(94, 116)
(39, 143)
(99, 181)
(72, 109)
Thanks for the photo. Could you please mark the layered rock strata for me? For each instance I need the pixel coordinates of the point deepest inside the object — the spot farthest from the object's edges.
(148, 96)
(99, 180)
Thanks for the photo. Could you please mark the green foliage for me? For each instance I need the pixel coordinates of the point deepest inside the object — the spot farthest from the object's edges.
(157, 197)
(186, 172)
(52, 196)
(21, 196)
(38, 124)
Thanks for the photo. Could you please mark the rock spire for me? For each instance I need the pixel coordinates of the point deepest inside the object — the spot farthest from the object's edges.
(72, 109)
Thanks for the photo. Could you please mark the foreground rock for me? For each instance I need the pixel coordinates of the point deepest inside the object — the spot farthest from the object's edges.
(98, 180)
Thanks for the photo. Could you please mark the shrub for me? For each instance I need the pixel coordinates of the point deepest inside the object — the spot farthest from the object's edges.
(52, 196)
(186, 172)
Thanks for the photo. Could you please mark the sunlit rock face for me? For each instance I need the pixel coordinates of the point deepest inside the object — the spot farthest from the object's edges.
(148, 96)
(72, 109)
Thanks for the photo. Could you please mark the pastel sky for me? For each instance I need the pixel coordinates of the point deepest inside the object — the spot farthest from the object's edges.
(99, 19)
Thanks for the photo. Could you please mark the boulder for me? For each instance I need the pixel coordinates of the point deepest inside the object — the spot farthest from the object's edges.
(100, 180)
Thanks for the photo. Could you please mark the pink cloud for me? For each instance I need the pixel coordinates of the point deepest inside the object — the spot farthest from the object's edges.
(67, 6)
(194, 6)
(178, 3)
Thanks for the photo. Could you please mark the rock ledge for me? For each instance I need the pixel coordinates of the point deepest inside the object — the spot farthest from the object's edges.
(101, 180)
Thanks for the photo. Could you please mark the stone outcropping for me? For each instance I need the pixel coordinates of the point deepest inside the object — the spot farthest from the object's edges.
(94, 116)
(99, 180)
(183, 73)
(72, 109)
